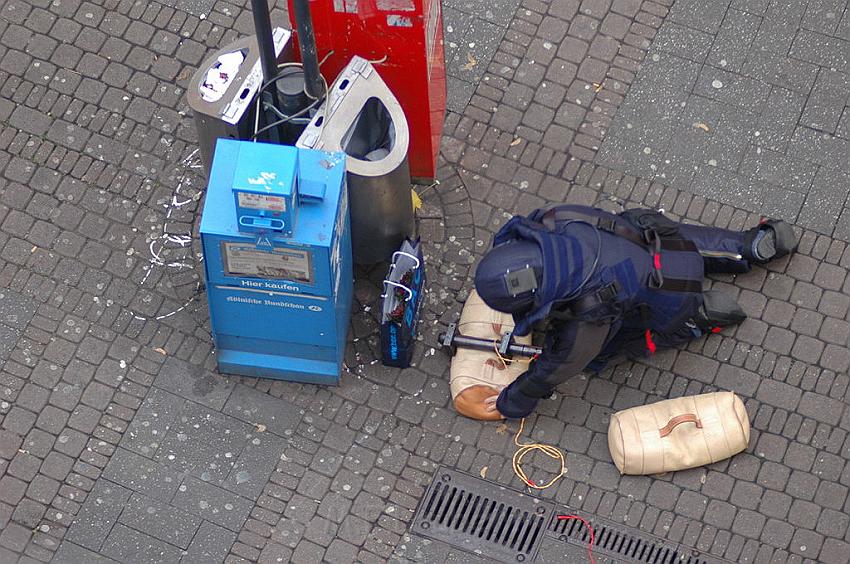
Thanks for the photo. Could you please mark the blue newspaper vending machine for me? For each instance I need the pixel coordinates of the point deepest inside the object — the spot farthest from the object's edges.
(277, 252)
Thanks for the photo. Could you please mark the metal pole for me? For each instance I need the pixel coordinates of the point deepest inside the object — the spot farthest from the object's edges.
(307, 41)
(263, 26)
(489, 345)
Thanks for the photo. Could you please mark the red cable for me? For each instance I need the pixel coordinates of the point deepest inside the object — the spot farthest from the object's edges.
(589, 528)
(650, 344)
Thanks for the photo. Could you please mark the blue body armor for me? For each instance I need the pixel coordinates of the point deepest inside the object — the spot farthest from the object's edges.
(632, 270)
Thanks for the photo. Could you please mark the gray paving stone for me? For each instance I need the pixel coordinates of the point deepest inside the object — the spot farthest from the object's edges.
(70, 553)
(98, 514)
(822, 50)
(341, 552)
(821, 408)
(195, 7)
(780, 70)
(735, 189)
(254, 465)
(308, 553)
(780, 25)
(821, 148)
(204, 443)
(670, 78)
(748, 523)
(726, 149)
(498, 12)
(8, 339)
(843, 129)
(733, 40)
(777, 533)
(629, 153)
(274, 552)
(211, 544)
(731, 88)
(825, 200)
(779, 394)
(842, 226)
(683, 42)
(194, 383)
(154, 418)
(704, 16)
(328, 462)
(277, 415)
(823, 15)
(15, 536)
(780, 203)
(778, 169)
(142, 475)
(764, 139)
(474, 51)
(458, 94)
(456, 24)
(16, 311)
(127, 545)
(160, 520)
(843, 30)
(827, 101)
(212, 503)
(834, 551)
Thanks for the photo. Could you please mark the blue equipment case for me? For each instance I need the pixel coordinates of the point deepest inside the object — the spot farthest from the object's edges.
(280, 300)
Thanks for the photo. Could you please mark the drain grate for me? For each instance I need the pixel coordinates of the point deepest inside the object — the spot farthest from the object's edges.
(482, 517)
(624, 544)
(495, 522)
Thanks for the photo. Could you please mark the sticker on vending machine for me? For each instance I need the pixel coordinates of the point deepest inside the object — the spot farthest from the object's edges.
(261, 202)
(284, 263)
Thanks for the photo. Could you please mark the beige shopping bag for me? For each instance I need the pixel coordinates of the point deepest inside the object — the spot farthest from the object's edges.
(678, 433)
(477, 375)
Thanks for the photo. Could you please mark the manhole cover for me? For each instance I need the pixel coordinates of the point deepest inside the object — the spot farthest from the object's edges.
(482, 517)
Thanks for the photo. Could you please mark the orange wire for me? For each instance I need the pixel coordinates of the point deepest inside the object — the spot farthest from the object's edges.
(507, 361)
(525, 448)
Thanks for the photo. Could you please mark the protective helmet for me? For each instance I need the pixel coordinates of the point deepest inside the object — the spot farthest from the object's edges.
(509, 275)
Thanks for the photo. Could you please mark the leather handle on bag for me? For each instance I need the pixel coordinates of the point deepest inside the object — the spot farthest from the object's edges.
(678, 420)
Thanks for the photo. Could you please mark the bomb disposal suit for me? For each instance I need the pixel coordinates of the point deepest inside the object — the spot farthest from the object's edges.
(600, 284)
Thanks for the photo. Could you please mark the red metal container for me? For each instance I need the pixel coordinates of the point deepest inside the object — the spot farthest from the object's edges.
(404, 41)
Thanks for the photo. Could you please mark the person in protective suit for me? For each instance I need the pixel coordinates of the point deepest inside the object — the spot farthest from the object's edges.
(603, 284)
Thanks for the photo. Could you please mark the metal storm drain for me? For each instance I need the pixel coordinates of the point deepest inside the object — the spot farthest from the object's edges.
(623, 544)
(482, 517)
(495, 522)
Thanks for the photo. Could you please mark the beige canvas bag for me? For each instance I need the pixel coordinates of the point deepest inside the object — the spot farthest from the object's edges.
(477, 375)
(678, 433)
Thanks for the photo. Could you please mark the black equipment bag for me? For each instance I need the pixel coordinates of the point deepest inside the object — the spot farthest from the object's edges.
(402, 299)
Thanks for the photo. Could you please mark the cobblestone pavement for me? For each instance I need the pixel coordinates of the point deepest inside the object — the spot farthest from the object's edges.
(745, 103)
(118, 441)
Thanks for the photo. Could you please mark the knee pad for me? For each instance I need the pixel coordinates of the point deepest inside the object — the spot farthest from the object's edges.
(785, 238)
(718, 310)
(771, 239)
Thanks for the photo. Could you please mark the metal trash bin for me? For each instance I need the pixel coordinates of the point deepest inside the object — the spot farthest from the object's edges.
(363, 119)
(228, 115)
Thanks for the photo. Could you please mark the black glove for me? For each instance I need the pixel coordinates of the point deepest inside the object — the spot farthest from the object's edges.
(513, 403)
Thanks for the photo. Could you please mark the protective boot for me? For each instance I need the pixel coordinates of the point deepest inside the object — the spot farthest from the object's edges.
(718, 310)
(771, 239)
